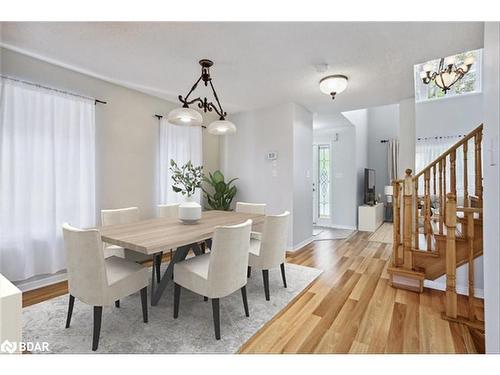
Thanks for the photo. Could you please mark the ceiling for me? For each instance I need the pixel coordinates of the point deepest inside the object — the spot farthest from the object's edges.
(256, 64)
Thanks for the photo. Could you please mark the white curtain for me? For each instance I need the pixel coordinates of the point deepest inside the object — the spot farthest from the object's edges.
(47, 175)
(181, 143)
(393, 159)
(429, 149)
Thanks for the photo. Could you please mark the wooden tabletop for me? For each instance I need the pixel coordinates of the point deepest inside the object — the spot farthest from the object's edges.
(160, 234)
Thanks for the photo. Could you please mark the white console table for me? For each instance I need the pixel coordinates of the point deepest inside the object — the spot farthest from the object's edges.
(370, 217)
(10, 314)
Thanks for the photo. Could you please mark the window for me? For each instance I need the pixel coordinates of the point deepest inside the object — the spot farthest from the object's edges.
(47, 175)
(324, 181)
(469, 84)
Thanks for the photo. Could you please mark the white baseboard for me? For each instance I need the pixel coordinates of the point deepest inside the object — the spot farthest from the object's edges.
(25, 286)
(335, 226)
(300, 245)
(462, 290)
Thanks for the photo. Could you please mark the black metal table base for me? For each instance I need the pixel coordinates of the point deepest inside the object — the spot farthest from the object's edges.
(179, 255)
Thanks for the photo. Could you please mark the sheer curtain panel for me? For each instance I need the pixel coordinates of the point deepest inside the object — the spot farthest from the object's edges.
(181, 143)
(47, 175)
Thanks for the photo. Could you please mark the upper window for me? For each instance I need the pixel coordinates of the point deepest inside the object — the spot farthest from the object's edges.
(469, 84)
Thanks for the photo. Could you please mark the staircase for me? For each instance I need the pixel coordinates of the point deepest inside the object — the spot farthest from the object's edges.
(432, 234)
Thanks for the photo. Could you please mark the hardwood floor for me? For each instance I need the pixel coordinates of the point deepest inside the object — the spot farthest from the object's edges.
(351, 308)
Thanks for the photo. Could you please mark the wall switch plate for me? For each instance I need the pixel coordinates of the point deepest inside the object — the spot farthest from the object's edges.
(272, 155)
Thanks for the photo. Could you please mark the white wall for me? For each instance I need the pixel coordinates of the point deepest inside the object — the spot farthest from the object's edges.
(302, 175)
(449, 116)
(407, 136)
(126, 132)
(383, 123)
(286, 129)
(491, 61)
(343, 172)
(359, 118)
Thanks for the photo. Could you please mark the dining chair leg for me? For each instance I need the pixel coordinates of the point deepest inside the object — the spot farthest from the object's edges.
(282, 266)
(97, 326)
(144, 302)
(177, 297)
(70, 310)
(265, 276)
(216, 313)
(117, 303)
(249, 272)
(158, 267)
(245, 302)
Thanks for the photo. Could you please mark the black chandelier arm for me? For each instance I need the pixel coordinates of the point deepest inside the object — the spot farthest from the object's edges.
(221, 113)
(185, 100)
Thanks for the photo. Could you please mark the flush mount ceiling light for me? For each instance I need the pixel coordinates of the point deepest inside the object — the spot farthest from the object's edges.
(188, 116)
(333, 85)
(447, 74)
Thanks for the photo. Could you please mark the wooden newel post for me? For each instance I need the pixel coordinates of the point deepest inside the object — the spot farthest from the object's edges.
(451, 255)
(408, 191)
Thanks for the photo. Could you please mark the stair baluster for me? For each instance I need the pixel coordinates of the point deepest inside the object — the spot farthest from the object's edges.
(451, 256)
(470, 238)
(416, 242)
(441, 198)
(396, 235)
(427, 209)
(407, 220)
(466, 177)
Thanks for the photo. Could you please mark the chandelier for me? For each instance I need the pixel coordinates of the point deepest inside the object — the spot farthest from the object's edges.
(188, 116)
(447, 74)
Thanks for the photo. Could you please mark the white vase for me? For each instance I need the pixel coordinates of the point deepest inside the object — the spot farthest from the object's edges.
(189, 211)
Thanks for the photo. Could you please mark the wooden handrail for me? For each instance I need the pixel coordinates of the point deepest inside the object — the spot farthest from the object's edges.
(470, 209)
(448, 152)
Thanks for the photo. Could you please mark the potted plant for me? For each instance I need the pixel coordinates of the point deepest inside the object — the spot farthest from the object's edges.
(223, 193)
(186, 180)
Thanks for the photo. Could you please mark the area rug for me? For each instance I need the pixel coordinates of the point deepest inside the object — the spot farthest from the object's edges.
(123, 330)
(382, 234)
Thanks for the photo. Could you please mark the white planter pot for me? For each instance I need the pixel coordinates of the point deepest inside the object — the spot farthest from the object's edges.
(189, 212)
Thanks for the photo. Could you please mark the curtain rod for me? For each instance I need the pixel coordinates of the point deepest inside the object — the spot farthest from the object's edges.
(435, 137)
(159, 117)
(54, 89)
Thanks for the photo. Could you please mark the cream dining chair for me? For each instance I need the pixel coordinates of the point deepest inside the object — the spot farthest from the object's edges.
(97, 281)
(126, 216)
(218, 273)
(270, 251)
(252, 208)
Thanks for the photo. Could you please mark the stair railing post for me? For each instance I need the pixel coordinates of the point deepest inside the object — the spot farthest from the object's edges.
(396, 229)
(470, 240)
(478, 191)
(451, 256)
(407, 219)
(441, 198)
(427, 209)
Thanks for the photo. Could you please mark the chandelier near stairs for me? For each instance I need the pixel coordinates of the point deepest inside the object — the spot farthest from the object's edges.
(448, 72)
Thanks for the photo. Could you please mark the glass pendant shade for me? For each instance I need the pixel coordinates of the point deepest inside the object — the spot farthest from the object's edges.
(221, 127)
(185, 116)
(333, 84)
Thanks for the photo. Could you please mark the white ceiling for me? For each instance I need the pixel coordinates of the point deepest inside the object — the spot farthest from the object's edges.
(256, 64)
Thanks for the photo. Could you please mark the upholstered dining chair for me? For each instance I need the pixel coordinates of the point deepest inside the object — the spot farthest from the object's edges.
(218, 273)
(270, 251)
(252, 208)
(126, 216)
(97, 281)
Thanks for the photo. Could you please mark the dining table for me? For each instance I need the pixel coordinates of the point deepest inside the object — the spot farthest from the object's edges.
(155, 236)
